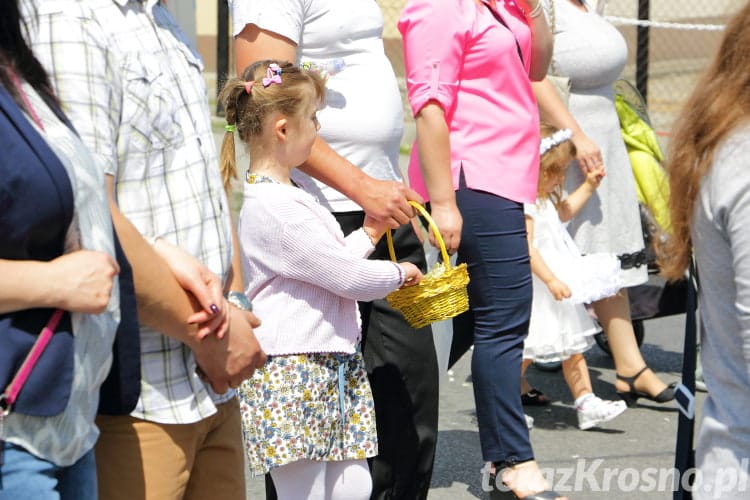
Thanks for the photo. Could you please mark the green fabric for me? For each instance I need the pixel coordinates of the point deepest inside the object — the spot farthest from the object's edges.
(645, 160)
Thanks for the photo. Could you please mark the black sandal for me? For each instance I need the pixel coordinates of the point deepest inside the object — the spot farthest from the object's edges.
(632, 394)
(535, 397)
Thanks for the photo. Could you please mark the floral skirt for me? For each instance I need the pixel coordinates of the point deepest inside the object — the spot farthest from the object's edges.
(314, 406)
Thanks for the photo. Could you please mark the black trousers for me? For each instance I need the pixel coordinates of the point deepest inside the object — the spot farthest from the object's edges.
(403, 372)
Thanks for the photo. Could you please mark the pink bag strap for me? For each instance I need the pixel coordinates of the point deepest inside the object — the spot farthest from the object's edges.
(9, 397)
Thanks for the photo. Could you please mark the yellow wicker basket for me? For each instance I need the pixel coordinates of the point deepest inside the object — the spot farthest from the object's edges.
(442, 292)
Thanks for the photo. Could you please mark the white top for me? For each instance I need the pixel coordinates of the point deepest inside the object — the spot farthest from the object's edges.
(362, 118)
(64, 438)
(134, 89)
(590, 277)
(304, 277)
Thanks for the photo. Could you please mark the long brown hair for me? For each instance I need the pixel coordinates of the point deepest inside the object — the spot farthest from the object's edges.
(247, 102)
(718, 105)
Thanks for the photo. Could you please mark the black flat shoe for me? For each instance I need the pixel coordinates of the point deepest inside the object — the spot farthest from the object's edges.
(535, 397)
(631, 396)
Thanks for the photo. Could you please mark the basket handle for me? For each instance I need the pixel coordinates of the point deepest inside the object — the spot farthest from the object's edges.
(435, 231)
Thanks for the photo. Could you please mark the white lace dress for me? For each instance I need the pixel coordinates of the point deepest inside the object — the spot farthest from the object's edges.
(560, 328)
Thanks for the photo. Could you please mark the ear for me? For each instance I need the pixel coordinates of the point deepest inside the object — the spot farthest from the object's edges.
(280, 129)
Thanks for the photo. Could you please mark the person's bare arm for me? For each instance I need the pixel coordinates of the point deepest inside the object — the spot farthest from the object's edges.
(541, 42)
(557, 288)
(554, 112)
(383, 200)
(164, 306)
(433, 141)
(570, 206)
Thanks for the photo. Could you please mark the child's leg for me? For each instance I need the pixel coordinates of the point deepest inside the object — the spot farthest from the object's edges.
(525, 386)
(348, 480)
(591, 410)
(301, 479)
(576, 373)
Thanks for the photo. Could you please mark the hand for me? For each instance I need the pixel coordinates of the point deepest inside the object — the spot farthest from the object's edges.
(374, 228)
(81, 281)
(226, 362)
(595, 175)
(412, 272)
(449, 222)
(199, 281)
(587, 152)
(388, 201)
(558, 289)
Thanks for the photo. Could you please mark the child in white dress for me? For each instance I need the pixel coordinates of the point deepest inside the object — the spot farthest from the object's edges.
(307, 414)
(560, 328)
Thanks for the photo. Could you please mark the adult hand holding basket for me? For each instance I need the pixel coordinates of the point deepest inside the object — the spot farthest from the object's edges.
(442, 292)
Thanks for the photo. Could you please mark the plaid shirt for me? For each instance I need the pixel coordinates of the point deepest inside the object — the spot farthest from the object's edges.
(133, 88)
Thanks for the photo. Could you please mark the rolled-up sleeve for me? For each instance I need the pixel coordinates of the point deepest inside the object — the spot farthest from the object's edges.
(434, 34)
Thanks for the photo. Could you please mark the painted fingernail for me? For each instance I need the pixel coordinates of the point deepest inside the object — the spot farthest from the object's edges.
(214, 308)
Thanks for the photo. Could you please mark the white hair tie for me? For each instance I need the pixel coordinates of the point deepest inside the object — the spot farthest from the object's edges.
(555, 140)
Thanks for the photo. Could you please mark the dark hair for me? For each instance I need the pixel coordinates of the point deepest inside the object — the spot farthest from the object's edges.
(554, 161)
(16, 55)
(247, 102)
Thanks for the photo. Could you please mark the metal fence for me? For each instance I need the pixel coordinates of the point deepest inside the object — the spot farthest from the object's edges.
(670, 43)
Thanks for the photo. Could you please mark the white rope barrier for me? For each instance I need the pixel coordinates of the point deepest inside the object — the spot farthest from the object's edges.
(626, 21)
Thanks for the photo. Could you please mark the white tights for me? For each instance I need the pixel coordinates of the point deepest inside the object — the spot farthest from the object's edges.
(314, 480)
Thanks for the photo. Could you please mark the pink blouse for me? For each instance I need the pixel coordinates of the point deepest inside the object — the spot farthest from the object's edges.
(457, 54)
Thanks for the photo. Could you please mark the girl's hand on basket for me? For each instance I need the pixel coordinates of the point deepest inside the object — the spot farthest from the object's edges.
(412, 272)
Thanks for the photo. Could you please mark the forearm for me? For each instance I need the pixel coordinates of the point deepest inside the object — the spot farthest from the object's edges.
(573, 204)
(539, 267)
(332, 169)
(552, 110)
(433, 141)
(27, 284)
(163, 304)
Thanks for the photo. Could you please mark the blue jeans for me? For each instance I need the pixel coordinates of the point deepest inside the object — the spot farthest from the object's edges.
(24, 476)
(495, 249)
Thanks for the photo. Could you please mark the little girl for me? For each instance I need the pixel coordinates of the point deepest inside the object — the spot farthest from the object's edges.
(308, 414)
(560, 327)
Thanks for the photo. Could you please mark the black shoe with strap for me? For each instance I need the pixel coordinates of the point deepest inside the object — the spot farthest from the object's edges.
(632, 394)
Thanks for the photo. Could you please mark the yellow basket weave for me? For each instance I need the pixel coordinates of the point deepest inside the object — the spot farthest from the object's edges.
(442, 292)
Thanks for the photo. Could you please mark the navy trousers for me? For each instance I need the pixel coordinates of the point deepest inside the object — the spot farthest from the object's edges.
(495, 249)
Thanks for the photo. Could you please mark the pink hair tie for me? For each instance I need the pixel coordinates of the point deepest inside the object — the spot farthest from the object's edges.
(249, 86)
(273, 75)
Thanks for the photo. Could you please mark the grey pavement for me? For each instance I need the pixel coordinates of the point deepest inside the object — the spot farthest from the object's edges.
(635, 450)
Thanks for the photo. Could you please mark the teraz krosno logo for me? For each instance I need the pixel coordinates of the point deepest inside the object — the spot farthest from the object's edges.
(589, 475)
